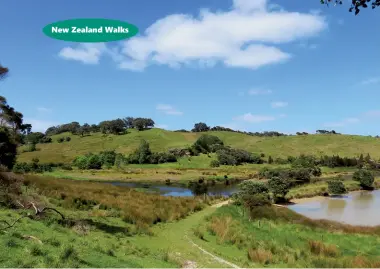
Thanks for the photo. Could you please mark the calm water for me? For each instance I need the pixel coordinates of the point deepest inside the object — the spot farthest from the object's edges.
(357, 208)
(218, 189)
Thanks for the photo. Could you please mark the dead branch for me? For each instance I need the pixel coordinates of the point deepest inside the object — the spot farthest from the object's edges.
(36, 210)
(53, 209)
(11, 225)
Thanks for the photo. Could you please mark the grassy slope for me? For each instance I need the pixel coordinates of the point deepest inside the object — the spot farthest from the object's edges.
(283, 244)
(160, 140)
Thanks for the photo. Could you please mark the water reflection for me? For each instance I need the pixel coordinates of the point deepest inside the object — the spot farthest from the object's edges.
(335, 206)
(165, 190)
(357, 208)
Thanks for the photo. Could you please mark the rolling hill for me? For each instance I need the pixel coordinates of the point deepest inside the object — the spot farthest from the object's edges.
(160, 140)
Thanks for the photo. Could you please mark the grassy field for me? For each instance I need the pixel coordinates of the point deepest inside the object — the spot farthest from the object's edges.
(104, 226)
(278, 237)
(161, 140)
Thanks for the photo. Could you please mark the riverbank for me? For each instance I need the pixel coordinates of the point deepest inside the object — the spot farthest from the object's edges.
(278, 237)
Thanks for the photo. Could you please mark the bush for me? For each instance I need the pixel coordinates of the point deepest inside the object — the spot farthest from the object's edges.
(252, 194)
(10, 188)
(230, 156)
(30, 148)
(336, 187)
(279, 187)
(68, 138)
(66, 167)
(162, 157)
(108, 157)
(207, 144)
(214, 163)
(60, 140)
(365, 178)
(45, 140)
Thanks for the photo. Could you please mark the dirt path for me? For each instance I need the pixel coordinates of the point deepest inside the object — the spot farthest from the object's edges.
(216, 258)
(173, 237)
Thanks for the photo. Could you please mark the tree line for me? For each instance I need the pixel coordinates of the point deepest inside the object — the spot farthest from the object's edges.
(116, 126)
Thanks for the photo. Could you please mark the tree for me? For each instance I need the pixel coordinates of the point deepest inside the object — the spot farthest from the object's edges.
(200, 127)
(8, 148)
(270, 159)
(364, 177)
(356, 5)
(3, 72)
(144, 152)
(207, 143)
(279, 187)
(252, 194)
(336, 187)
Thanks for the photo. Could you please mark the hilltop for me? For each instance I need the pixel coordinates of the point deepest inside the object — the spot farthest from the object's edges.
(161, 140)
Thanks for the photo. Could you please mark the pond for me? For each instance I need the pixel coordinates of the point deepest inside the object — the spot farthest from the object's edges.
(357, 208)
(172, 190)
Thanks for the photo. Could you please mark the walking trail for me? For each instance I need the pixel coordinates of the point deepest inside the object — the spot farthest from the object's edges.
(174, 238)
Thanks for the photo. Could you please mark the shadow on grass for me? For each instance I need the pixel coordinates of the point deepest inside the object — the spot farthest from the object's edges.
(109, 228)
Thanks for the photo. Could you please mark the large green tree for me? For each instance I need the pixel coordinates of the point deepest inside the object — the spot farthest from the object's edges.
(356, 5)
(11, 125)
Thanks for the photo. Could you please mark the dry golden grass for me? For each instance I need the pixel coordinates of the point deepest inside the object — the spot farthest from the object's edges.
(135, 207)
(260, 255)
(319, 248)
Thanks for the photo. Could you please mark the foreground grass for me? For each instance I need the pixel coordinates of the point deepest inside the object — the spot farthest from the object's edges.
(104, 242)
(161, 140)
(278, 237)
(104, 226)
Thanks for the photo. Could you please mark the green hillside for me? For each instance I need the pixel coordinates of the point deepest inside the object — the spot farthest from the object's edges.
(160, 140)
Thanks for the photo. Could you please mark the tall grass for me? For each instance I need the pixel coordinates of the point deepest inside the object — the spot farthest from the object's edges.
(280, 237)
(134, 207)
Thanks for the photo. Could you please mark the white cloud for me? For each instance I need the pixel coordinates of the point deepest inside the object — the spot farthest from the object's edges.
(342, 123)
(168, 109)
(250, 118)
(246, 36)
(86, 53)
(40, 125)
(278, 104)
(44, 109)
(259, 91)
(369, 81)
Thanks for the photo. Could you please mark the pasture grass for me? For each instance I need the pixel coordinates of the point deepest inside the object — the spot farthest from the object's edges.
(162, 140)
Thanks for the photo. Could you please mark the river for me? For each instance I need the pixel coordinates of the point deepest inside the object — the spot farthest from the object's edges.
(356, 208)
(173, 190)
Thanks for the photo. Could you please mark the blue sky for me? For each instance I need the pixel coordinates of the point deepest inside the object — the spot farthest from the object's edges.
(246, 64)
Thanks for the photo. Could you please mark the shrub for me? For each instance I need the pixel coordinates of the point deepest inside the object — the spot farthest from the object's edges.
(68, 138)
(107, 157)
(230, 156)
(60, 140)
(336, 187)
(214, 163)
(270, 159)
(94, 162)
(30, 148)
(252, 194)
(365, 178)
(279, 187)
(89, 161)
(207, 143)
(66, 167)
(10, 188)
(45, 140)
